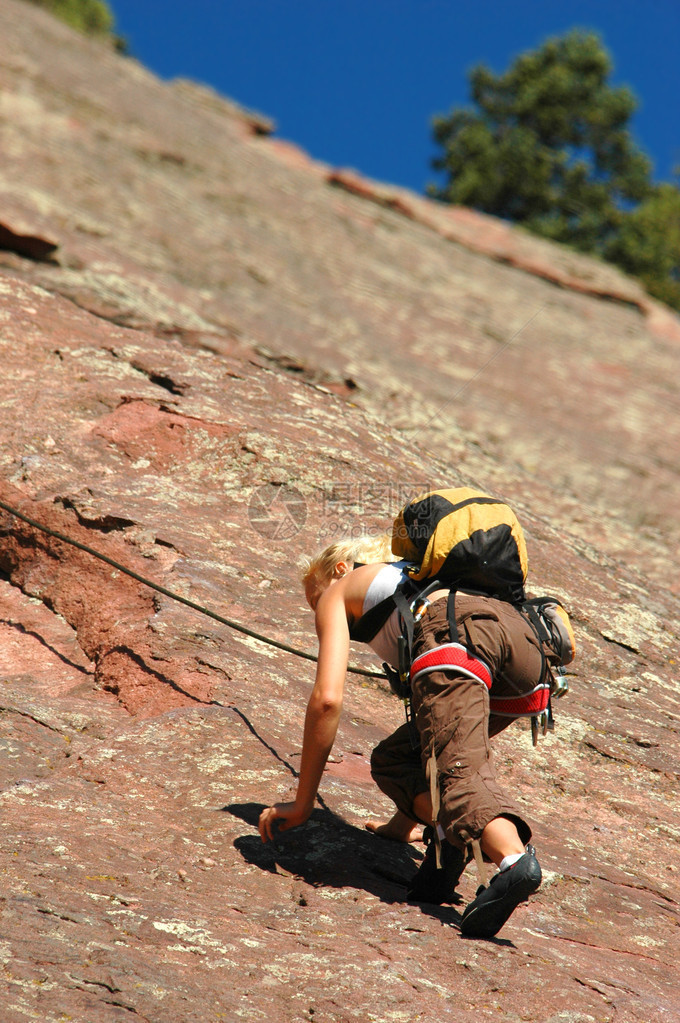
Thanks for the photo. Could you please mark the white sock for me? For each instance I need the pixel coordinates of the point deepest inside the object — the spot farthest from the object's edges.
(508, 861)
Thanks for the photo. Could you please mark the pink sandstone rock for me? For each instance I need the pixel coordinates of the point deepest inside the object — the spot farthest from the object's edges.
(227, 363)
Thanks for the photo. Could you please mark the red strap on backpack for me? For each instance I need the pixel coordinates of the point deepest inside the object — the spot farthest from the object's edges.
(451, 657)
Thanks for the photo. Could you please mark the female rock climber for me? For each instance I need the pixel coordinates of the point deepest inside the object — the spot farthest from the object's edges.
(450, 701)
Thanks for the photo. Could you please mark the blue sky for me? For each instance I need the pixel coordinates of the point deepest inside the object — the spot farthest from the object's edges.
(356, 82)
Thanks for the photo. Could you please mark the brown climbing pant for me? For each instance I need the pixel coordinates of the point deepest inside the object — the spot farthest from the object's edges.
(453, 719)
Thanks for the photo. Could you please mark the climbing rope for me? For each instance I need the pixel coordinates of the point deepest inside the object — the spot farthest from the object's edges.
(176, 596)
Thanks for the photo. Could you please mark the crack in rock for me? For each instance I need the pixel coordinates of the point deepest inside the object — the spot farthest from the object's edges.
(31, 246)
(101, 523)
(32, 717)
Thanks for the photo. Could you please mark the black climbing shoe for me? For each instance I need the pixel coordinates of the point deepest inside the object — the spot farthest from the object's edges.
(437, 886)
(487, 913)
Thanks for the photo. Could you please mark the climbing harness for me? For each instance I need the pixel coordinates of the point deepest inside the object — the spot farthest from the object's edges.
(176, 596)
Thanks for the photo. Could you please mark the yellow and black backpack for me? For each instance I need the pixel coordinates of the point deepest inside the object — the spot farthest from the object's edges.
(458, 538)
(465, 539)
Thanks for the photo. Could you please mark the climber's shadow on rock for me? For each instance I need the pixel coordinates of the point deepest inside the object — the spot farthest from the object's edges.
(329, 852)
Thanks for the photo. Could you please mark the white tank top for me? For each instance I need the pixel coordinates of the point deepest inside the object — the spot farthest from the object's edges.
(383, 585)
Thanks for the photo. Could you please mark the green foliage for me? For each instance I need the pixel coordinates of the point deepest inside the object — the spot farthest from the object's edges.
(548, 146)
(93, 17)
(648, 244)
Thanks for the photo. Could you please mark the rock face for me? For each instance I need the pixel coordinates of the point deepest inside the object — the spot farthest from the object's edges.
(217, 354)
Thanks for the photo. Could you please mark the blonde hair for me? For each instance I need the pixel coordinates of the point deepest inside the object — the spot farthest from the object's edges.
(368, 550)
